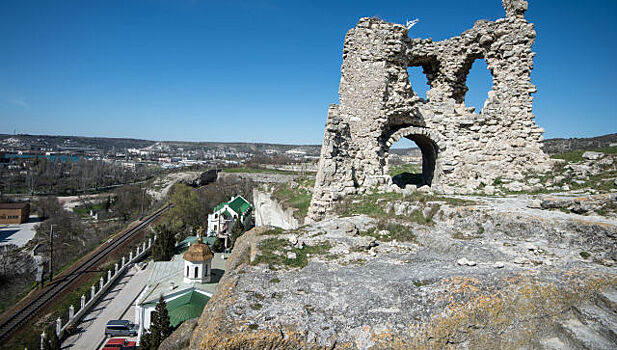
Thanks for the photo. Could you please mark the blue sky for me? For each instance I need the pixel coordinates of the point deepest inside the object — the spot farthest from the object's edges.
(262, 71)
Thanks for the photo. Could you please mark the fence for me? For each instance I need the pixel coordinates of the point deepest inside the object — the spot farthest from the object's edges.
(95, 294)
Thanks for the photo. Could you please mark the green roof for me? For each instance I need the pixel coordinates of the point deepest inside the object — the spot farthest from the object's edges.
(238, 204)
(186, 307)
(218, 207)
(192, 239)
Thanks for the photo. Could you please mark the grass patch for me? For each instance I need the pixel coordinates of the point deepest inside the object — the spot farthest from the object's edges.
(273, 251)
(373, 204)
(85, 210)
(274, 231)
(296, 196)
(585, 255)
(275, 280)
(577, 156)
(396, 231)
(256, 306)
(253, 326)
(405, 168)
(421, 283)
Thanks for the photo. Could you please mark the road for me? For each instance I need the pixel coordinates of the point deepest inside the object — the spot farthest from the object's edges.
(118, 304)
(24, 311)
(19, 234)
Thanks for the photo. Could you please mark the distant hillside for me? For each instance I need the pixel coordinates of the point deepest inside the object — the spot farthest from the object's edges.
(58, 143)
(104, 144)
(578, 144)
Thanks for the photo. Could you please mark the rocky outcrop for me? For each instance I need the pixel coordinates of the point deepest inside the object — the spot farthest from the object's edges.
(462, 149)
(180, 338)
(269, 212)
(432, 273)
(583, 204)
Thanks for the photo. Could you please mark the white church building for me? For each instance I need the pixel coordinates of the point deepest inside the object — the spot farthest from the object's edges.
(186, 283)
(227, 214)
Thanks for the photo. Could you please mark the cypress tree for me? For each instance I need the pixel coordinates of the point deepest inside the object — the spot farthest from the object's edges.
(145, 342)
(163, 247)
(236, 231)
(160, 326)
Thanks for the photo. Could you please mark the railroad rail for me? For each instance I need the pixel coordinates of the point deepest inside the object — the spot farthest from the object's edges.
(31, 308)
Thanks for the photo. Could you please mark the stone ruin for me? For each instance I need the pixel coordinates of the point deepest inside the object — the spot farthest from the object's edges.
(462, 150)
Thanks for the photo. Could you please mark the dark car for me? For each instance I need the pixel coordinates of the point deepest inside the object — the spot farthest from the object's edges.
(120, 327)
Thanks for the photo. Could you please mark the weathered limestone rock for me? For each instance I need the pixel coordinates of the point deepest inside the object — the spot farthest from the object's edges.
(461, 150)
(593, 155)
(269, 212)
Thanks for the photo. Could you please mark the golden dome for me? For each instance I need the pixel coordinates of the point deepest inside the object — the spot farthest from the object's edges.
(198, 252)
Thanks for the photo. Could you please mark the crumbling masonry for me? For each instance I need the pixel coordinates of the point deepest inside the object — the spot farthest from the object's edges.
(462, 150)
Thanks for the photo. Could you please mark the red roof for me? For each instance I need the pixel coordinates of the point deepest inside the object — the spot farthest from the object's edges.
(13, 205)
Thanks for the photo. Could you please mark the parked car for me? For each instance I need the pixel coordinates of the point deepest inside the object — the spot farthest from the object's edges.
(120, 327)
(120, 343)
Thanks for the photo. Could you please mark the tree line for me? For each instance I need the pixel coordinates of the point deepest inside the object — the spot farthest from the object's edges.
(42, 175)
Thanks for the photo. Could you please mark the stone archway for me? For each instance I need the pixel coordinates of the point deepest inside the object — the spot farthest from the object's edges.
(378, 107)
(430, 144)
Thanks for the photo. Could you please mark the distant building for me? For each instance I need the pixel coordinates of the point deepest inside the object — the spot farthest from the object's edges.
(14, 213)
(226, 214)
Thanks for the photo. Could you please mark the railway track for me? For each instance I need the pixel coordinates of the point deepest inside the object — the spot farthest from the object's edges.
(31, 308)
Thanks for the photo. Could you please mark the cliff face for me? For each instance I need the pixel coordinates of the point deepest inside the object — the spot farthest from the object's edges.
(269, 212)
(422, 272)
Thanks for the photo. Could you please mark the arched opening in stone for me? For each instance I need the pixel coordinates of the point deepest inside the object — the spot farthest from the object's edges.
(412, 160)
(418, 80)
(479, 82)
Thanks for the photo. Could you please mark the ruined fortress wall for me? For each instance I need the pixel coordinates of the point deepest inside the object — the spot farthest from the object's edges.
(462, 149)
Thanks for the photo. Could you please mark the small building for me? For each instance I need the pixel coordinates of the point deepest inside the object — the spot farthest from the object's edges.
(186, 283)
(226, 214)
(197, 263)
(14, 213)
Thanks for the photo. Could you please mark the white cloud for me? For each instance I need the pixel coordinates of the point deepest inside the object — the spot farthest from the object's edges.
(19, 101)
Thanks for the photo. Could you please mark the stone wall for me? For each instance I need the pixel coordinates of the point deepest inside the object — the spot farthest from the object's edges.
(462, 149)
(270, 212)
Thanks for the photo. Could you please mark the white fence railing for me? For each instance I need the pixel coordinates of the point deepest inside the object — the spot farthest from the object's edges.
(95, 294)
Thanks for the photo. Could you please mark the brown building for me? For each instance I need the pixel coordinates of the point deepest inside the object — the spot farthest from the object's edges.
(14, 213)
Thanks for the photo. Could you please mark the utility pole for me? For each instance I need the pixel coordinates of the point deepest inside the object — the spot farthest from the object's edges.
(143, 195)
(51, 252)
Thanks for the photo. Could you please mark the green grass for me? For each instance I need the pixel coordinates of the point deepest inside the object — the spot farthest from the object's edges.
(298, 198)
(397, 232)
(269, 246)
(577, 156)
(585, 255)
(85, 210)
(274, 231)
(405, 168)
(373, 204)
